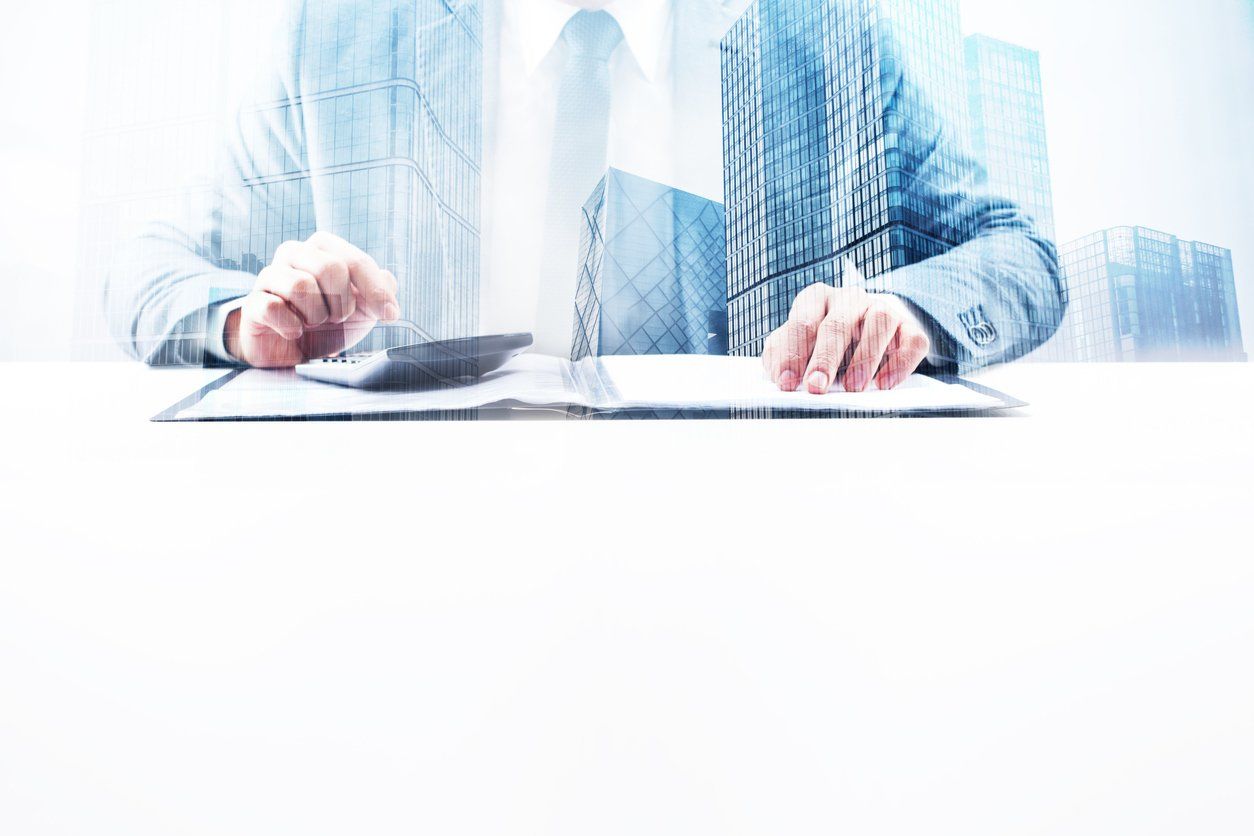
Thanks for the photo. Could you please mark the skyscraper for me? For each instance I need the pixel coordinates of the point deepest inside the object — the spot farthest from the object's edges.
(401, 123)
(1007, 122)
(1138, 294)
(927, 37)
(817, 166)
(653, 272)
(1007, 112)
(404, 180)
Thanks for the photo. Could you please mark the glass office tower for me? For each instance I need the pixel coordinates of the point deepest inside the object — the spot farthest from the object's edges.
(928, 38)
(403, 178)
(398, 137)
(1007, 112)
(653, 272)
(816, 168)
(1142, 295)
(1007, 122)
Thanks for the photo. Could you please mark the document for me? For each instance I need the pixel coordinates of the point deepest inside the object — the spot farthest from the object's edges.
(607, 384)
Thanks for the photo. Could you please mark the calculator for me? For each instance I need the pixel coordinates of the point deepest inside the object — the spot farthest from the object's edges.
(421, 366)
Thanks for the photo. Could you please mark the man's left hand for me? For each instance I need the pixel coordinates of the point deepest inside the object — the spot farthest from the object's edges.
(845, 334)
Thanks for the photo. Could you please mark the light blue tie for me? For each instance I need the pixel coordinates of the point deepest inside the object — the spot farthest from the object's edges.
(580, 138)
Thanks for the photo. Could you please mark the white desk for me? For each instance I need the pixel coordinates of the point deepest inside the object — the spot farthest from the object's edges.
(1027, 625)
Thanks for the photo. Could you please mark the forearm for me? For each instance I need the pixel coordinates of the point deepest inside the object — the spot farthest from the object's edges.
(161, 291)
(991, 300)
(158, 295)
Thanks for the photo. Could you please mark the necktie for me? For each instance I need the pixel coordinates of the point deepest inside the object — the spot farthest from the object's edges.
(578, 161)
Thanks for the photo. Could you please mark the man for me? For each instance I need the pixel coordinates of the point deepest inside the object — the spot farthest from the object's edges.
(568, 87)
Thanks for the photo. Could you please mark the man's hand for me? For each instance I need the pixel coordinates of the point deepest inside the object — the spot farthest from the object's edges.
(845, 334)
(315, 299)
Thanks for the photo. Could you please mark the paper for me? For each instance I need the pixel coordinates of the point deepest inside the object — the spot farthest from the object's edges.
(733, 382)
(530, 379)
(610, 383)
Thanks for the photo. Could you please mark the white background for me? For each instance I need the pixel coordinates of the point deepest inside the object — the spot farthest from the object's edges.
(1028, 626)
(1150, 107)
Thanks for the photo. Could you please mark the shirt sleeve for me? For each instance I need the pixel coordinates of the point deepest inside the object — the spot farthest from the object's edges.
(999, 293)
(166, 289)
(215, 329)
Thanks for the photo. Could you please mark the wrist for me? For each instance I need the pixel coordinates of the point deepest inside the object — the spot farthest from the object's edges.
(230, 336)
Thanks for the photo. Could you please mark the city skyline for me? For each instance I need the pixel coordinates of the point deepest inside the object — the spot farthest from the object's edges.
(1125, 61)
(1119, 311)
(1150, 105)
(1140, 294)
(783, 144)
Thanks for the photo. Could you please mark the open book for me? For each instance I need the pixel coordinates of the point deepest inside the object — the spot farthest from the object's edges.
(700, 384)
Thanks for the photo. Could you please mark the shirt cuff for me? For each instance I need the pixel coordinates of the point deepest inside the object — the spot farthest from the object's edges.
(215, 329)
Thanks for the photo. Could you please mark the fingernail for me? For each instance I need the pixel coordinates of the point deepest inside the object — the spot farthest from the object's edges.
(391, 312)
(788, 381)
(819, 383)
(889, 382)
(855, 380)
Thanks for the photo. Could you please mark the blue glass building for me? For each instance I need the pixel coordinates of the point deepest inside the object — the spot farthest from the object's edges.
(1142, 295)
(652, 272)
(1007, 120)
(1006, 106)
(402, 176)
(927, 37)
(366, 122)
(819, 164)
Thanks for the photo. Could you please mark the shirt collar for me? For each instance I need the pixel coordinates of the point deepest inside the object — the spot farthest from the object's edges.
(645, 23)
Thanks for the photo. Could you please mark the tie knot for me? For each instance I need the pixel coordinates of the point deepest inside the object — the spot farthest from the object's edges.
(593, 35)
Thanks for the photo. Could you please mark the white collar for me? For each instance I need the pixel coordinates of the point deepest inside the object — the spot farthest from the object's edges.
(539, 23)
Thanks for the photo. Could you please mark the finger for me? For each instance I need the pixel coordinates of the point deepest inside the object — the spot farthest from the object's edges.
(811, 305)
(904, 356)
(770, 349)
(789, 354)
(879, 326)
(331, 273)
(392, 307)
(836, 333)
(768, 358)
(299, 289)
(771, 362)
(266, 311)
(794, 340)
(376, 288)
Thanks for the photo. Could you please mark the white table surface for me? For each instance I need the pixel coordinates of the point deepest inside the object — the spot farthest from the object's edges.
(1035, 624)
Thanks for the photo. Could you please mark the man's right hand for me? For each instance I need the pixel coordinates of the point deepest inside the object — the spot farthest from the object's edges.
(316, 299)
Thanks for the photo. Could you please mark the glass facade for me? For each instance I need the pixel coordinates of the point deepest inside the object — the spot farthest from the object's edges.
(653, 272)
(1006, 107)
(1007, 113)
(379, 141)
(820, 161)
(1142, 295)
(396, 168)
